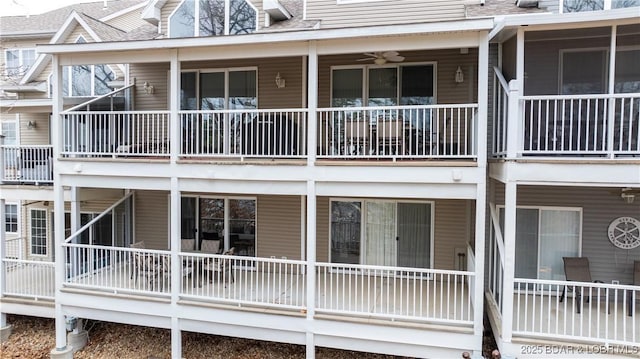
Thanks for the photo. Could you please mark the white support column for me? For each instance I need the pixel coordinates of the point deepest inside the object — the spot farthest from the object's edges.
(2, 169)
(312, 103)
(176, 263)
(311, 266)
(303, 227)
(58, 208)
(174, 106)
(3, 253)
(514, 114)
(75, 226)
(520, 57)
(611, 86)
(481, 193)
(510, 202)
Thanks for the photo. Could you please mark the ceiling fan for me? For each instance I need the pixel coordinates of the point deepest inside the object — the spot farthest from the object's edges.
(381, 58)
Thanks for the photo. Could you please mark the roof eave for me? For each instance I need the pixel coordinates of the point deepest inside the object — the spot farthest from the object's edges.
(259, 38)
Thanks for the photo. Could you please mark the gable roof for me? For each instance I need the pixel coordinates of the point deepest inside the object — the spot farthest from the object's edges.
(98, 31)
(49, 22)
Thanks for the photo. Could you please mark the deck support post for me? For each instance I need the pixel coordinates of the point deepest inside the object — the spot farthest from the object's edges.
(174, 107)
(510, 202)
(611, 102)
(5, 330)
(176, 263)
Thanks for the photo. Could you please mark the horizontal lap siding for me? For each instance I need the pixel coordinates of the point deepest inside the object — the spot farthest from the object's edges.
(383, 12)
(600, 206)
(38, 135)
(155, 74)
(278, 227)
(152, 216)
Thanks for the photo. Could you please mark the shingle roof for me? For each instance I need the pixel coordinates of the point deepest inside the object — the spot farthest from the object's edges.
(104, 31)
(295, 8)
(50, 22)
(497, 8)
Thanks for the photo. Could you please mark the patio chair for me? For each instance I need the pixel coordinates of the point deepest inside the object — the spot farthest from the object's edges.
(187, 244)
(219, 266)
(135, 268)
(210, 246)
(576, 269)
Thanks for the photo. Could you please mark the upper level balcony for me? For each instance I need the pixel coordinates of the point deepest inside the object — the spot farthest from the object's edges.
(418, 132)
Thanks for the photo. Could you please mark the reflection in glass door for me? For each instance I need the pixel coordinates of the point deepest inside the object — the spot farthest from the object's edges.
(414, 235)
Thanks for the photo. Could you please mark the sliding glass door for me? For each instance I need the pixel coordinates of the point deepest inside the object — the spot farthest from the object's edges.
(386, 233)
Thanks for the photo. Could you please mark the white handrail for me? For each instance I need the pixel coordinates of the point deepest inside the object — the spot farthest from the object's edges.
(503, 81)
(497, 231)
(104, 213)
(97, 99)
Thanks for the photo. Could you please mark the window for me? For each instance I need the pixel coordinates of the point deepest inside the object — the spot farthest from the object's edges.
(592, 5)
(383, 86)
(10, 133)
(18, 61)
(225, 89)
(215, 18)
(208, 216)
(543, 237)
(388, 233)
(589, 77)
(39, 232)
(86, 80)
(11, 218)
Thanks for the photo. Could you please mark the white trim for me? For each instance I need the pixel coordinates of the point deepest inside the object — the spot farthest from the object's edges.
(346, 2)
(258, 38)
(20, 58)
(226, 71)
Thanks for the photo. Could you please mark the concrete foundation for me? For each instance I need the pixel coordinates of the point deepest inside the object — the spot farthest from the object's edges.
(5, 333)
(66, 353)
(78, 340)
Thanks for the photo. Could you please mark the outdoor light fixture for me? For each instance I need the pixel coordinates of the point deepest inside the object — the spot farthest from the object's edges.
(31, 125)
(280, 82)
(459, 76)
(628, 197)
(149, 89)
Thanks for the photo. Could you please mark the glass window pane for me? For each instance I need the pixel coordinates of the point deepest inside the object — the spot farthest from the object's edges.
(417, 85)
(28, 58)
(188, 100)
(81, 80)
(347, 88)
(559, 237)
(380, 243)
(38, 231)
(10, 133)
(583, 72)
(583, 5)
(11, 218)
(345, 232)
(383, 87)
(13, 62)
(212, 216)
(526, 243)
(242, 90)
(627, 71)
(242, 223)
(211, 18)
(212, 91)
(182, 21)
(188, 218)
(242, 17)
(618, 4)
(102, 76)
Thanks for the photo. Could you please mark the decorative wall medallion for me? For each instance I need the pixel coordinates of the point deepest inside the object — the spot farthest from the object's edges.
(624, 232)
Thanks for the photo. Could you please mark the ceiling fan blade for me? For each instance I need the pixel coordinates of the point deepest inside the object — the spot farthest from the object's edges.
(366, 59)
(395, 58)
(372, 54)
(390, 54)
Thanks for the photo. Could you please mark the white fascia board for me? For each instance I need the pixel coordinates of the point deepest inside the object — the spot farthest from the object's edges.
(122, 12)
(38, 66)
(256, 38)
(45, 102)
(588, 18)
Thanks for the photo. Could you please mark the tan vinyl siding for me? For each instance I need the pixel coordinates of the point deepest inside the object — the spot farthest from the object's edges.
(156, 74)
(44, 76)
(38, 135)
(76, 33)
(447, 61)
(451, 230)
(128, 21)
(383, 12)
(152, 216)
(600, 206)
(278, 226)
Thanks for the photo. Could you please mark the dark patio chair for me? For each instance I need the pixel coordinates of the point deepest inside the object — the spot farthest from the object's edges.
(576, 269)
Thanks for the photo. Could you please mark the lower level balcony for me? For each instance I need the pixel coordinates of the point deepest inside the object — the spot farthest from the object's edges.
(27, 164)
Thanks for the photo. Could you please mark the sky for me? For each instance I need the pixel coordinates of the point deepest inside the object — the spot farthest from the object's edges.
(33, 7)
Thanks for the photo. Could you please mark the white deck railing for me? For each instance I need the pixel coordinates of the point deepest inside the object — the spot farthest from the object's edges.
(244, 133)
(429, 295)
(265, 282)
(15, 248)
(592, 312)
(29, 279)
(500, 114)
(27, 164)
(429, 131)
(116, 133)
(605, 125)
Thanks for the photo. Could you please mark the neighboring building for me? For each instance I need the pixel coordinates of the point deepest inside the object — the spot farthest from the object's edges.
(325, 172)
